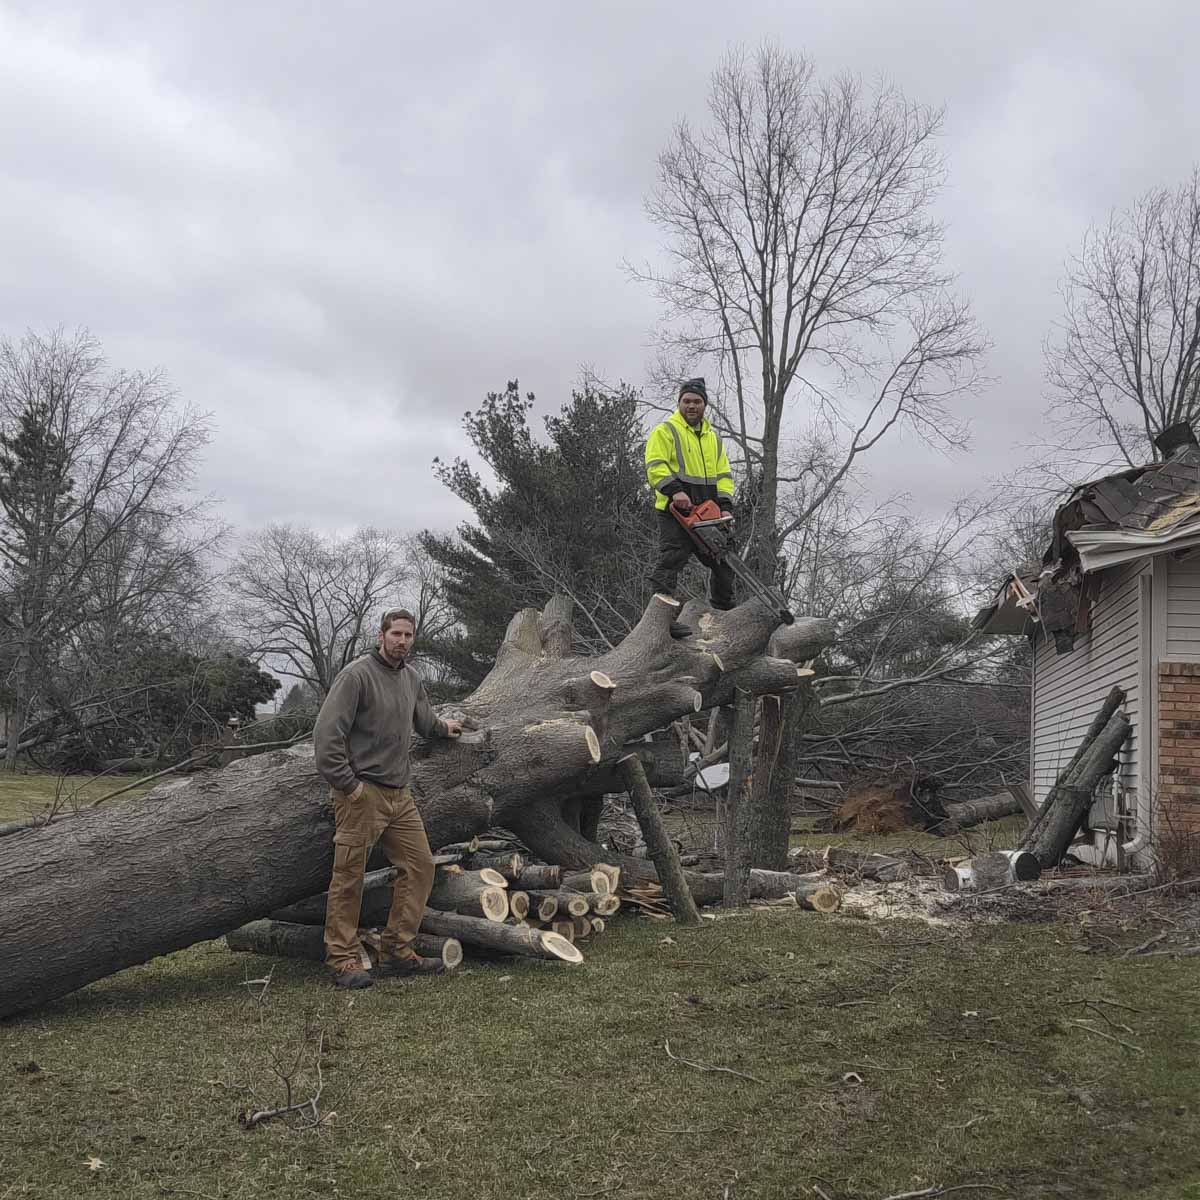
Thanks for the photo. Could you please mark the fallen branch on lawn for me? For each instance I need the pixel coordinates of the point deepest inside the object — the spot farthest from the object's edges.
(701, 1066)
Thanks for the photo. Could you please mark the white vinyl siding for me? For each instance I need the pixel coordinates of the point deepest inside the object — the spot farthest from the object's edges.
(1183, 610)
(1070, 688)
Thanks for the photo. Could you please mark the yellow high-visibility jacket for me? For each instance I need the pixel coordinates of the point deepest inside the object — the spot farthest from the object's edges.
(680, 458)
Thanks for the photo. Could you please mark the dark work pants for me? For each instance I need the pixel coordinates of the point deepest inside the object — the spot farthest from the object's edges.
(674, 549)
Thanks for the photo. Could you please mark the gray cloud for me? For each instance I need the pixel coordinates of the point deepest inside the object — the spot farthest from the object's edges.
(338, 226)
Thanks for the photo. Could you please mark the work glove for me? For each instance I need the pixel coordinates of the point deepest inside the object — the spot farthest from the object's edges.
(682, 502)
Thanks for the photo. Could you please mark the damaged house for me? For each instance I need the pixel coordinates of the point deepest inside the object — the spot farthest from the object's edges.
(1116, 601)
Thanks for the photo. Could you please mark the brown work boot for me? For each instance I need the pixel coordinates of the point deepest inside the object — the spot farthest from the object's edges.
(350, 974)
(396, 966)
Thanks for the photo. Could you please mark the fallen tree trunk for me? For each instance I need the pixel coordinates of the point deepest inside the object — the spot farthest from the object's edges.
(963, 814)
(1069, 802)
(1112, 702)
(110, 888)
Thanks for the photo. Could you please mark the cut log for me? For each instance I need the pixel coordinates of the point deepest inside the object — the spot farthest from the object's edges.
(814, 892)
(883, 868)
(996, 869)
(564, 928)
(472, 893)
(597, 925)
(658, 843)
(604, 905)
(1110, 885)
(507, 866)
(496, 936)
(543, 905)
(287, 940)
(571, 904)
(259, 831)
(540, 877)
(518, 904)
(583, 928)
(613, 872)
(963, 814)
(594, 880)
(448, 949)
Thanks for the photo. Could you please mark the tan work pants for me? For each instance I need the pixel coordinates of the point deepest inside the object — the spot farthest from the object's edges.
(389, 816)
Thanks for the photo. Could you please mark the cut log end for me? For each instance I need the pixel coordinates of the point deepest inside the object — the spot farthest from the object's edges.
(518, 904)
(492, 878)
(825, 900)
(669, 601)
(560, 948)
(593, 743)
(494, 902)
(601, 680)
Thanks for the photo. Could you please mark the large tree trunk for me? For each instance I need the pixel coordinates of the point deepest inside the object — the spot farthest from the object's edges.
(116, 886)
(777, 762)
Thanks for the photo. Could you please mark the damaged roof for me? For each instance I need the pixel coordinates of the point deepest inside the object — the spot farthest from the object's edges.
(1129, 515)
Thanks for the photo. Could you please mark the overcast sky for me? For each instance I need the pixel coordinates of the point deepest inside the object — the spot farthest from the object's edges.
(337, 225)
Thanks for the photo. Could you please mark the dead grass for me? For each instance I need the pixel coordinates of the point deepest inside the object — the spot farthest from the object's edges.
(885, 1057)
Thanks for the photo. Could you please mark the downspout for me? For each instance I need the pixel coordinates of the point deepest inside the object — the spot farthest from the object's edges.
(1150, 582)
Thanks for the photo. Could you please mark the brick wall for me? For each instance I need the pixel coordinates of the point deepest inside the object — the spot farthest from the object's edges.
(1179, 746)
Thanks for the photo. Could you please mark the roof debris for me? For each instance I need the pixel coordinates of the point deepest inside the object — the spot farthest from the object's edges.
(1116, 519)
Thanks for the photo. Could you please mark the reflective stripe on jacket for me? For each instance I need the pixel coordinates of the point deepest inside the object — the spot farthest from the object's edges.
(682, 459)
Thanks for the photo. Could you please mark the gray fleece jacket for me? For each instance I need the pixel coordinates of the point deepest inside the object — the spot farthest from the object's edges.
(365, 725)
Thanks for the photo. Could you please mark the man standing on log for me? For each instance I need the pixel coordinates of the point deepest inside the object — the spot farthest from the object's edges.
(362, 749)
(686, 464)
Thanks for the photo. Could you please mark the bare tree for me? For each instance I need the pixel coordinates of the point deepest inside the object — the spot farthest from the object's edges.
(94, 463)
(1125, 362)
(805, 262)
(310, 602)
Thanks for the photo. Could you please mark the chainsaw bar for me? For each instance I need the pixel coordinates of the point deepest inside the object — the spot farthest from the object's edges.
(714, 537)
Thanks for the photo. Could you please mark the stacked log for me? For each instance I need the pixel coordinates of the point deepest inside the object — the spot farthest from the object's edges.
(290, 940)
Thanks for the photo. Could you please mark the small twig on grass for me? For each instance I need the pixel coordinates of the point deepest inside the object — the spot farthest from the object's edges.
(248, 1119)
(972, 1121)
(1104, 1000)
(701, 1066)
(1158, 937)
(1100, 1033)
(608, 1187)
(938, 1190)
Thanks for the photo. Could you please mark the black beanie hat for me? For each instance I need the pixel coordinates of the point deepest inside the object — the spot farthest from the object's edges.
(694, 385)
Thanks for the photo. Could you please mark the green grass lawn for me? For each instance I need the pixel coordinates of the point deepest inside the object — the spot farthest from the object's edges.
(24, 796)
(859, 1058)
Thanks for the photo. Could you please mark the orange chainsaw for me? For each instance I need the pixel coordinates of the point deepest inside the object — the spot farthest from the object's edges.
(712, 532)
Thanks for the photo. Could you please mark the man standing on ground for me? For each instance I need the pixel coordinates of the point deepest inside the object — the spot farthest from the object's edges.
(686, 464)
(362, 743)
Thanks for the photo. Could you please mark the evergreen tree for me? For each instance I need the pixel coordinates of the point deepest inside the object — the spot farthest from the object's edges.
(567, 514)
